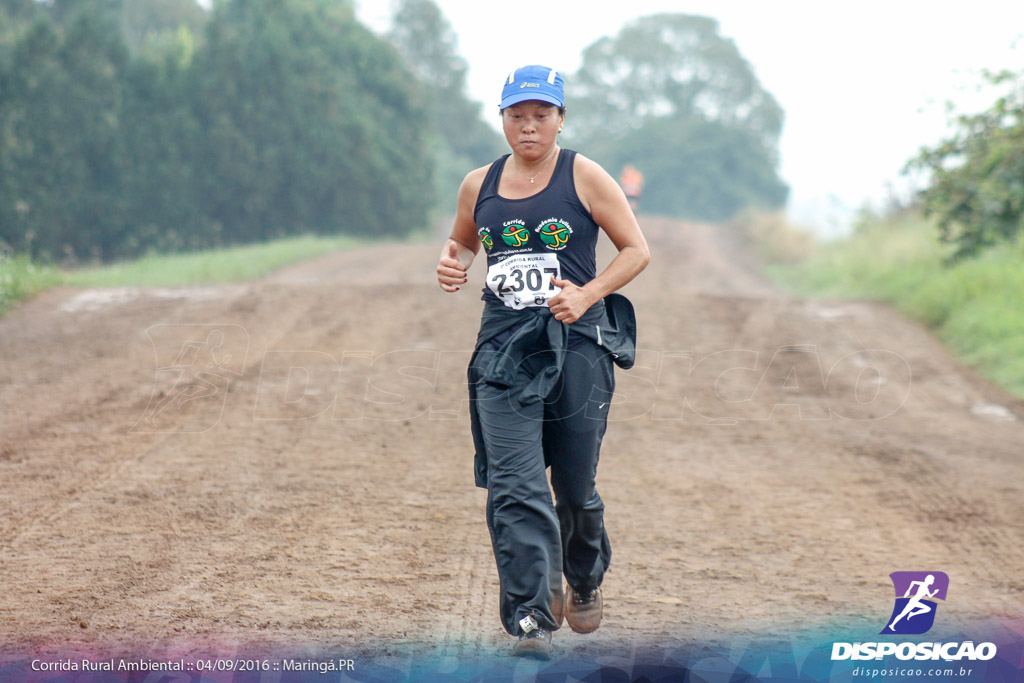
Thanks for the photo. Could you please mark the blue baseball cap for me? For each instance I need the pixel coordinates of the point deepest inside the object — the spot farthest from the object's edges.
(533, 82)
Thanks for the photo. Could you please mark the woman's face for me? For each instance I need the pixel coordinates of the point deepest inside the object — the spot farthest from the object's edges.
(531, 127)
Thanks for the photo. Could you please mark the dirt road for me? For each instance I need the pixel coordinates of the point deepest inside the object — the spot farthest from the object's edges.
(285, 465)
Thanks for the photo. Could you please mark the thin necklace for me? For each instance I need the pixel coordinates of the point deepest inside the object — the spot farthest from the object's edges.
(535, 174)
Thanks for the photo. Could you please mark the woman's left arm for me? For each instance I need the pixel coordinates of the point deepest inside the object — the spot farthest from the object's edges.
(608, 205)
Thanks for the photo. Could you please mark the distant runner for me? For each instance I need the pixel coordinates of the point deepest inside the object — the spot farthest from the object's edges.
(632, 181)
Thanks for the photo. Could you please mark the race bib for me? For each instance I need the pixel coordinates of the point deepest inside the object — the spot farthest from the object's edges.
(524, 280)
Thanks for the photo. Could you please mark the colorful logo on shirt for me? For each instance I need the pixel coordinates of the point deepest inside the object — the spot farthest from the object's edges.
(515, 233)
(554, 233)
(485, 236)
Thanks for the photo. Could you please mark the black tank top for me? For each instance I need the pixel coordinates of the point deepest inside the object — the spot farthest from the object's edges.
(552, 221)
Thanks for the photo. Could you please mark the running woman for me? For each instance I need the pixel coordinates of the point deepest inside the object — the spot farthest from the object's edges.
(541, 378)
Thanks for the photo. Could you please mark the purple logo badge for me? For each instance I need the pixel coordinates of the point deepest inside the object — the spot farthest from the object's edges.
(916, 596)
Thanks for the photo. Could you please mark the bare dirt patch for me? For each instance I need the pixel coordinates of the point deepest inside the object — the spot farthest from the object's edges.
(286, 465)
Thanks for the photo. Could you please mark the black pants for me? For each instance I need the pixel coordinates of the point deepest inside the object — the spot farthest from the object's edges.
(535, 540)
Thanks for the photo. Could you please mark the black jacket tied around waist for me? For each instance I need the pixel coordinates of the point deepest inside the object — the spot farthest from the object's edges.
(610, 324)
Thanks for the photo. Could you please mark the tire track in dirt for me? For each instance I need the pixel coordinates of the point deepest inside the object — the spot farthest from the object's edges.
(109, 408)
(920, 479)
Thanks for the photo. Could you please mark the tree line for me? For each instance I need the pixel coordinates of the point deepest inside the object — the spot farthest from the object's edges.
(257, 119)
(676, 99)
(129, 126)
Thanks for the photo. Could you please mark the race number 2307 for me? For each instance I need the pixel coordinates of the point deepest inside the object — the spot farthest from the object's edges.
(533, 280)
(524, 281)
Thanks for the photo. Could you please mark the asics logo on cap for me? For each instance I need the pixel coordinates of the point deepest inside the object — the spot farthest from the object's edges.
(551, 79)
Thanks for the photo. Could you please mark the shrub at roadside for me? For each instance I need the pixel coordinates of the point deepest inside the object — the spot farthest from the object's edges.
(975, 306)
(20, 278)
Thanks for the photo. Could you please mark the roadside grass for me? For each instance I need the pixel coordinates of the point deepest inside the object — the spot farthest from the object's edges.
(21, 278)
(231, 264)
(976, 307)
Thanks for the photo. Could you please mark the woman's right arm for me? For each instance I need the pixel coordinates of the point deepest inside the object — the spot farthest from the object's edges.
(463, 244)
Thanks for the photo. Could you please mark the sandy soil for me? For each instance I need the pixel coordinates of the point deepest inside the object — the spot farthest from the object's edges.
(286, 466)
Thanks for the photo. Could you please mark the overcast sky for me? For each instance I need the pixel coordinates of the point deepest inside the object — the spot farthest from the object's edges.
(864, 85)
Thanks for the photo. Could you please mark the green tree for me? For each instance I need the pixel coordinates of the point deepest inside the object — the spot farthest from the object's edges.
(427, 43)
(163, 146)
(668, 65)
(29, 149)
(64, 12)
(673, 97)
(61, 136)
(459, 138)
(695, 168)
(144, 21)
(310, 124)
(976, 186)
(94, 59)
(290, 117)
(15, 15)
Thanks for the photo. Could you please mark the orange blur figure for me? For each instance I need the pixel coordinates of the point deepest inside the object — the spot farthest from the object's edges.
(632, 181)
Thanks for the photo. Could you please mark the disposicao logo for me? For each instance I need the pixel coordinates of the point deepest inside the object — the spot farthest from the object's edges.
(916, 596)
(913, 613)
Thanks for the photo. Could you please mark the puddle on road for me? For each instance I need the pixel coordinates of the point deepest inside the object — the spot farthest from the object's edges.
(993, 411)
(99, 298)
